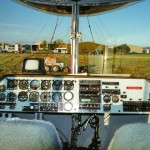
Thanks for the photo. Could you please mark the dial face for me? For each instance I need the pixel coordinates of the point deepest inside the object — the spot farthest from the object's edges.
(12, 84)
(2, 88)
(45, 85)
(56, 97)
(34, 84)
(107, 98)
(34, 96)
(23, 84)
(68, 85)
(22, 96)
(68, 96)
(11, 97)
(57, 85)
(45, 97)
(115, 98)
(68, 106)
(2, 97)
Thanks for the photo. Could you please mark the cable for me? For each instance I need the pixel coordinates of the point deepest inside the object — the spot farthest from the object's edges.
(94, 122)
(93, 42)
(90, 30)
(63, 136)
(54, 31)
(41, 30)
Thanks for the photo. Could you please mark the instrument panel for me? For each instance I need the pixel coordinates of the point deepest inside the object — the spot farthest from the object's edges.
(74, 94)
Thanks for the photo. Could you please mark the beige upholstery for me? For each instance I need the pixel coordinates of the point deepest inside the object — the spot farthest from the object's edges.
(18, 134)
(131, 137)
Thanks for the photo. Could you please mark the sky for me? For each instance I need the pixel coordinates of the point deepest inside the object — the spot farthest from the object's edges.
(130, 25)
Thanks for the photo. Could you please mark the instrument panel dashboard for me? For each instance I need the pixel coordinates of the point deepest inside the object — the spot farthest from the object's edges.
(74, 94)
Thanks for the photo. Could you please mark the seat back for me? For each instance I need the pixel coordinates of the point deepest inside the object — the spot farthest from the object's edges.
(131, 137)
(18, 134)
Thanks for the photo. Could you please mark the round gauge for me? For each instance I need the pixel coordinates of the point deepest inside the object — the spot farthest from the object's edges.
(68, 85)
(56, 97)
(68, 106)
(34, 84)
(57, 85)
(2, 88)
(107, 98)
(2, 97)
(23, 96)
(12, 84)
(68, 96)
(45, 85)
(45, 97)
(11, 97)
(34, 96)
(23, 84)
(115, 98)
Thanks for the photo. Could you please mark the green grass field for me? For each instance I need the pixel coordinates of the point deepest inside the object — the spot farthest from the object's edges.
(138, 65)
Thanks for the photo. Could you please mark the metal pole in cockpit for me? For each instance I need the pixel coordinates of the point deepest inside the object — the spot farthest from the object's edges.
(74, 38)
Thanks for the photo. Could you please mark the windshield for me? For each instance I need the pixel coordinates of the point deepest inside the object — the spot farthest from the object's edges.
(114, 43)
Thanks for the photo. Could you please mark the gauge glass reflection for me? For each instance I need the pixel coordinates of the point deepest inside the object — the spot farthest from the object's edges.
(56, 97)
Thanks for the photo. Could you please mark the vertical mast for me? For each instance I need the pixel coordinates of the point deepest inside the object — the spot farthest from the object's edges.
(74, 38)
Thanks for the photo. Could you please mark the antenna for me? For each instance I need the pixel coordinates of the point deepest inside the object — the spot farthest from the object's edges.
(76, 8)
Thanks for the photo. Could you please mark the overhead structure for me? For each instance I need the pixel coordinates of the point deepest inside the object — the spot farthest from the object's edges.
(76, 8)
(87, 7)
